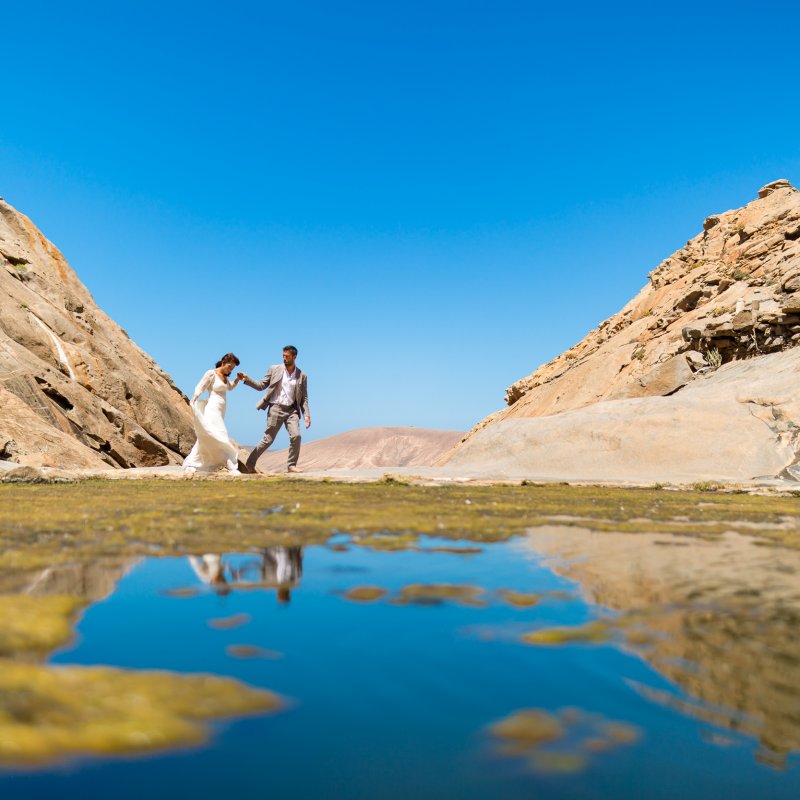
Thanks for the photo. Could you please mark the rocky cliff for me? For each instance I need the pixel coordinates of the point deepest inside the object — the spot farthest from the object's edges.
(731, 293)
(75, 391)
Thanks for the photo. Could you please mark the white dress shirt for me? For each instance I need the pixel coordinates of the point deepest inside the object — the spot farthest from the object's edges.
(288, 387)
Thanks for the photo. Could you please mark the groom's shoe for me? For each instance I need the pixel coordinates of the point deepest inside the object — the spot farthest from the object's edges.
(294, 469)
(244, 469)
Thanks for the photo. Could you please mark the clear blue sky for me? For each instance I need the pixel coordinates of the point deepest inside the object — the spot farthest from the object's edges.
(429, 199)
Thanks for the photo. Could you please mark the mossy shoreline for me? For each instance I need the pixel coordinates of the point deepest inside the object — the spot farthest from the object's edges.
(56, 523)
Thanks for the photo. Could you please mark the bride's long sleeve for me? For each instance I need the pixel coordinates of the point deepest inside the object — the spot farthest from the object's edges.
(206, 382)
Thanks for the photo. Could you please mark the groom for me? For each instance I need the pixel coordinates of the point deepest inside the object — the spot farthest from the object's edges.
(285, 399)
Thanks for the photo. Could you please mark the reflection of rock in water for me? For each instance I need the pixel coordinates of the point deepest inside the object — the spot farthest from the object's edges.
(725, 614)
(90, 581)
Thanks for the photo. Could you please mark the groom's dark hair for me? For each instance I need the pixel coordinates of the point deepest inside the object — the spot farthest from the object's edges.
(291, 348)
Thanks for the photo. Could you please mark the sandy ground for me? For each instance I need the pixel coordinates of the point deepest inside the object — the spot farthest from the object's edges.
(10, 471)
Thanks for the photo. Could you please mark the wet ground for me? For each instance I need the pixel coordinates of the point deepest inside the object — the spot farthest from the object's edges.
(390, 640)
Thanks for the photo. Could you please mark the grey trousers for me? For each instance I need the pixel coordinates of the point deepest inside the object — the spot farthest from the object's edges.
(277, 416)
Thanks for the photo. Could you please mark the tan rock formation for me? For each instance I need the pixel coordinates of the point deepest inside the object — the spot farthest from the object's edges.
(736, 424)
(75, 391)
(731, 294)
(368, 447)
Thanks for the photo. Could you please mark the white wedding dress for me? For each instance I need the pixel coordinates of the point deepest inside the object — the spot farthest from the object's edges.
(213, 448)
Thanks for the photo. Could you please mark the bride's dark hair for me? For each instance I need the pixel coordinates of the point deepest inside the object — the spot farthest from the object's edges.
(227, 359)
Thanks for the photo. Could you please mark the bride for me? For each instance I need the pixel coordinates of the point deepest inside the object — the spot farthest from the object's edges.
(213, 448)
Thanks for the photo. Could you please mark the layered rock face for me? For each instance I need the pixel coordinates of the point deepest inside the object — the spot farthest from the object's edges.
(732, 293)
(75, 391)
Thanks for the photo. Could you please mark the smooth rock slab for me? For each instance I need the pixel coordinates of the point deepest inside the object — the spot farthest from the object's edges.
(735, 425)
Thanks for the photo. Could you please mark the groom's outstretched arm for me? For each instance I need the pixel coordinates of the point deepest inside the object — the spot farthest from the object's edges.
(257, 385)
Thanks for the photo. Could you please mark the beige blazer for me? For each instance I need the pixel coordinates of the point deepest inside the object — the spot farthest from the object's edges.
(272, 383)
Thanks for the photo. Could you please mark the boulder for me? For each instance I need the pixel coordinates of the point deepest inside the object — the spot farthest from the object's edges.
(791, 281)
(664, 379)
(743, 320)
(696, 360)
(767, 190)
(791, 304)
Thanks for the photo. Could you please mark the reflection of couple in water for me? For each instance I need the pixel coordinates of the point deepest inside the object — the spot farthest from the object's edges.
(276, 567)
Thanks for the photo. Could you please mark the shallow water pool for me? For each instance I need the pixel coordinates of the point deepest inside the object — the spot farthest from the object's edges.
(451, 669)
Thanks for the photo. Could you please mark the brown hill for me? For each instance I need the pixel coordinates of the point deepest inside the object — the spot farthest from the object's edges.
(75, 391)
(368, 447)
(732, 293)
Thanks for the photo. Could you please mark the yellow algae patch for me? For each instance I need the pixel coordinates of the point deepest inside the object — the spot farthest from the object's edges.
(48, 713)
(519, 599)
(429, 594)
(528, 728)
(388, 541)
(559, 743)
(597, 745)
(35, 624)
(620, 732)
(228, 623)
(183, 591)
(558, 763)
(365, 594)
(252, 651)
(591, 633)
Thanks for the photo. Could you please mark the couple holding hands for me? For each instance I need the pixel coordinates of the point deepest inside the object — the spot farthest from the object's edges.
(285, 399)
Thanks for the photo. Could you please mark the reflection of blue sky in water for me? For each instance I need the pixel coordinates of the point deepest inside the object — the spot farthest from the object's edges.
(390, 701)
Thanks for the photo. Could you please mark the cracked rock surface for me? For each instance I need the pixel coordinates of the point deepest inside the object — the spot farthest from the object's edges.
(75, 391)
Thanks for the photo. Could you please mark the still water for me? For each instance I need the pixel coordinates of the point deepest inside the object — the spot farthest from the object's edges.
(407, 673)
